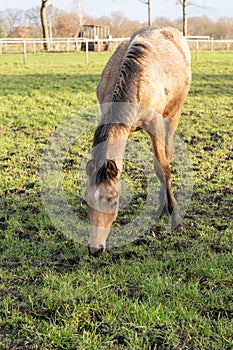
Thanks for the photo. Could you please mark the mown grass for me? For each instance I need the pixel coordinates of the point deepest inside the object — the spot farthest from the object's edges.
(167, 290)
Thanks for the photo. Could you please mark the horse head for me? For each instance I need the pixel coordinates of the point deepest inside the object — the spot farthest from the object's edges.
(102, 198)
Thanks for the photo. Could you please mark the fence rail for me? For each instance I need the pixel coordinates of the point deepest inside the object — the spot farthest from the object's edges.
(25, 46)
(57, 45)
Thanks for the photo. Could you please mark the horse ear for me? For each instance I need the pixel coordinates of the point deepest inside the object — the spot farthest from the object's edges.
(112, 170)
(90, 167)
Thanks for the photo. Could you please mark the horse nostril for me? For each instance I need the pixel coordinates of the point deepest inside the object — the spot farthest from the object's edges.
(84, 202)
(95, 251)
(101, 249)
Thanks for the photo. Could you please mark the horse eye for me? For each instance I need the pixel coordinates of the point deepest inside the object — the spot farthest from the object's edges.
(114, 204)
(111, 198)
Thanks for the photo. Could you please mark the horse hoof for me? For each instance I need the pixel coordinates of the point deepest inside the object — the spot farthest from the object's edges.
(179, 228)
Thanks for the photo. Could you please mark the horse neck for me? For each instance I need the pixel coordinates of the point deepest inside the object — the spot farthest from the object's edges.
(112, 133)
(111, 145)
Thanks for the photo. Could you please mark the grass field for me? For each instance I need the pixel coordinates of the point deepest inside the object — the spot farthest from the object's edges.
(167, 290)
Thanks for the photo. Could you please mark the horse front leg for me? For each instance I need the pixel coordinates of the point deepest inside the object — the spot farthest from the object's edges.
(168, 203)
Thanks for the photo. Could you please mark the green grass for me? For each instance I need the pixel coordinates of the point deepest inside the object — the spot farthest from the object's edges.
(164, 291)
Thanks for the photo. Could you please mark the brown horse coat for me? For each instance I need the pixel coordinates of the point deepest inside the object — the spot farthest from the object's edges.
(143, 85)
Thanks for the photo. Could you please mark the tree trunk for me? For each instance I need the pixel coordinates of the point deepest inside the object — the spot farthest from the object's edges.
(44, 24)
(149, 13)
(185, 17)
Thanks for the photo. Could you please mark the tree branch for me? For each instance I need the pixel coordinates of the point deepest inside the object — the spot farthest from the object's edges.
(191, 3)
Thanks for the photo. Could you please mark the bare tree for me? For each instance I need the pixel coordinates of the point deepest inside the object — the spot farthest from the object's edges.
(184, 4)
(202, 26)
(13, 18)
(44, 23)
(80, 15)
(119, 24)
(65, 25)
(32, 19)
(32, 16)
(185, 23)
(148, 3)
(2, 25)
(224, 28)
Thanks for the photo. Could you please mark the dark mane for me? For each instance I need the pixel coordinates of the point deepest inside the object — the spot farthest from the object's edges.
(100, 176)
(119, 115)
(130, 72)
(101, 138)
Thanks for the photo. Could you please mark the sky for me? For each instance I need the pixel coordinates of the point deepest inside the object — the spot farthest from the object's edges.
(134, 9)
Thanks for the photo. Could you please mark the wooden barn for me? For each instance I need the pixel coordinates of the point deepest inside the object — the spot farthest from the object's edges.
(95, 32)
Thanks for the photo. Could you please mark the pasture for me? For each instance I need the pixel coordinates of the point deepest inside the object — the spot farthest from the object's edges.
(166, 290)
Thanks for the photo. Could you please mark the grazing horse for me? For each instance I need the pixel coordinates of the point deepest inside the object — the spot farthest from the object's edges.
(143, 86)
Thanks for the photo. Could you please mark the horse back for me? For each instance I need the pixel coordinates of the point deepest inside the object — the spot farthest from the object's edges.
(158, 75)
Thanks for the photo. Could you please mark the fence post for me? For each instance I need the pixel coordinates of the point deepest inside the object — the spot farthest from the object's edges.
(98, 43)
(197, 49)
(0, 47)
(34, 46)
(109, 43)
(24, 52)
(87, 45)
(212, 44)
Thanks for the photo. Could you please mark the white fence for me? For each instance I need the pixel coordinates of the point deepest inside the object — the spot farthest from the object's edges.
(25, 46)
(57, 45)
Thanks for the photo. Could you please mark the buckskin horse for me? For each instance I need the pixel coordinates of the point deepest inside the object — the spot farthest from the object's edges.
(143, 86)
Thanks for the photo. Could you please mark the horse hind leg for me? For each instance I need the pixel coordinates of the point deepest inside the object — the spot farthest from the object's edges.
(171, 126)
(170, 129)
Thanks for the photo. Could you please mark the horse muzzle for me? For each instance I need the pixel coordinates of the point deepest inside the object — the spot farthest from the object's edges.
(96, 251)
